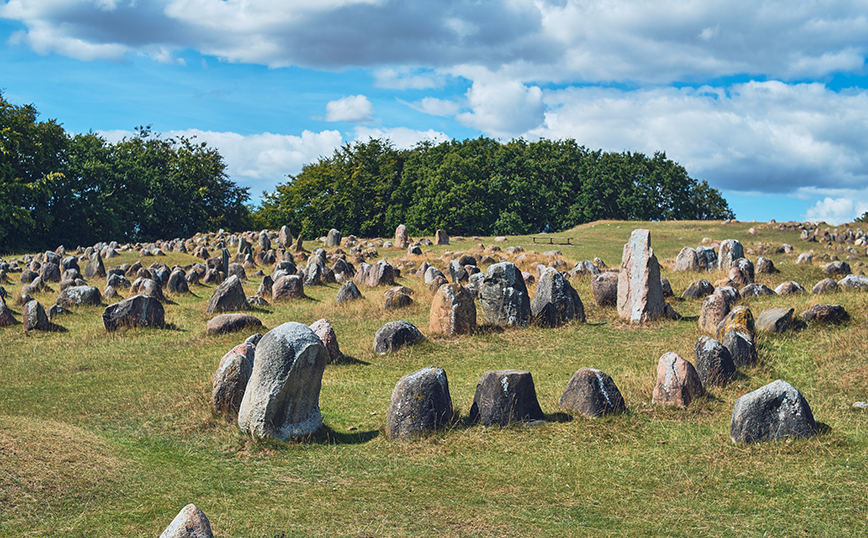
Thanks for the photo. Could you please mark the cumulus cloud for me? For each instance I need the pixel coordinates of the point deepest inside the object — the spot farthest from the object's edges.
(407, 79)
(757, 136)
(839, 210)
(352, 109)
(259, 161)
(504, 109)
(436, 107)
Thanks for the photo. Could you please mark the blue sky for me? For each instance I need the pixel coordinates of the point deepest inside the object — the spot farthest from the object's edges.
(767, 101)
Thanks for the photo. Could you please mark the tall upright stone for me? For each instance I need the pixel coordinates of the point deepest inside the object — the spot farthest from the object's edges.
(284, 239)
(640, 292)
(503, 296)
(441, 238)
(282, 396)
(94, 267)
(452, 311)
(401, 238)
(333, 239)
(730, 251)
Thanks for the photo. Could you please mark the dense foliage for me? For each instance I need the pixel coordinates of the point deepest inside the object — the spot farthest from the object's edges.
(61, 189)
(484, 187)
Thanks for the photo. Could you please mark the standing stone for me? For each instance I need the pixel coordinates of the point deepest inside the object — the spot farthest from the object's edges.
(775, 320)
(827, 285)
(775, 411)
(440, 238)
(348, 292)
(401, 238)
(678, 382)
(592, 393)
(94, 267)
(431, 273)
(177, 283)
(394, 335)
(741, 347)
(228, 297)
(380, 274)
(284, 238)
(50, 272)
(453, 311)
(707, 258)
(230, 381)
(505, 397)
(715, 307)
(730, 251)
(503, 296)
(333, 239)
(282, 396)
(324, 331)
(605, 288)
(640, 293)
(264, 240)
(740, 318)
(556, 301)
(35, 318)
(224, 260)
(265, 287)
(420, 404)
(687, 260)
(713, 362)
(140, 310)
(79, 295)
(189, 523)
(235, 269)
(6, 317)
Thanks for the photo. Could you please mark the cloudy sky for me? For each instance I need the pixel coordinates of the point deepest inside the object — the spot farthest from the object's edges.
(767, 101)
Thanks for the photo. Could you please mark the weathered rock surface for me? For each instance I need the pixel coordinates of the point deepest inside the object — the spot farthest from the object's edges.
(453, 311)
(348, 292)
(825, 313)
(78, 296)
(775, 411)
(227, 323)
(730, 251)
(853, 283)
(441, 238)
(282, 396)
(503, 296)
(741, 347)
(715, 307)
(34, 317)
(333, 239)
(556, 301)
(6, 317)
(287, 287)
(592, 393)
(775, 320)
(713, 362)
(394, 335)
(826, 285)
(137, 311)
(789, 287)
(605, 288)
(420, 404)
(95, 267)
(228, 297)
(698, 289)
(189, 523)
(765, 266)
(640, 293)
(231, 379)
(323, 329)
(504, 397)
(687, 260)
(678, 382)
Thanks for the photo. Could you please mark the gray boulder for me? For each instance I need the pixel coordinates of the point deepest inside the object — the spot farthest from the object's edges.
(605, 288)
(730, 251)
(698, 289)
(189, 523)
(640, 292)
(755, 290)
(94, 267)
(282, 397)
(79, 295)
(35, 318)
(137, 311)
(741, 347)
(333, 239)
(775, 320)
(592, 393)
(713, 362)
(826, 285)
(789, 287)
(177, 283)
(687, 260)
(228, 297)
(825, 313)
(556, 301)
(504, 397)
(227, 323)
(775, 411)
(394, 335)
(503, 296)
(420, 404)
(287, 287)
(854, 283)
(348, 292)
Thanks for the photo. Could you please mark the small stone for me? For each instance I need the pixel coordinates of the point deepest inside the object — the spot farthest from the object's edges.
(592, 393)
(226, 323)
(775, 320)
(323, 329)
(189, 523)
(825, 313)
(394, 335)
(678, 382)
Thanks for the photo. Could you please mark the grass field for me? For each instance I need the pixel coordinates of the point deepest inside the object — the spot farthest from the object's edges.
(112, 434)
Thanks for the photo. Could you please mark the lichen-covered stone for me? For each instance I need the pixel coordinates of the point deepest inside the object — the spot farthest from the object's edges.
(503, 296)
(189, 523)
(556, 301)
(713, 362)
(775, 320)
(775, 411)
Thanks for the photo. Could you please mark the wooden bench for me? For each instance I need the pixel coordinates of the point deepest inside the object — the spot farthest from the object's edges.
(547, 240)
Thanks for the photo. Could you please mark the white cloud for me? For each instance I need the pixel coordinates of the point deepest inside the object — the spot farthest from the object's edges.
(764, 136)
(401, 137)
(839, 210)
(352, 109)
(436, 107)
(259, 161)
(504, 109)
(406, 79)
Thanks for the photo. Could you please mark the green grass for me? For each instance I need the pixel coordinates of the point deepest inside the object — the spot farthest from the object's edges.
(112, 434)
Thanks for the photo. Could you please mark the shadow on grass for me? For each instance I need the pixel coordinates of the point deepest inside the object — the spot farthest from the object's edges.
(688, 318)
(348, 360)
(327, 436)
(488, 329)
(823, 428)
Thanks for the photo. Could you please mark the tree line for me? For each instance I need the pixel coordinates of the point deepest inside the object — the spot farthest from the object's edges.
(484, 187)
(58, 188)
(67, 189)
